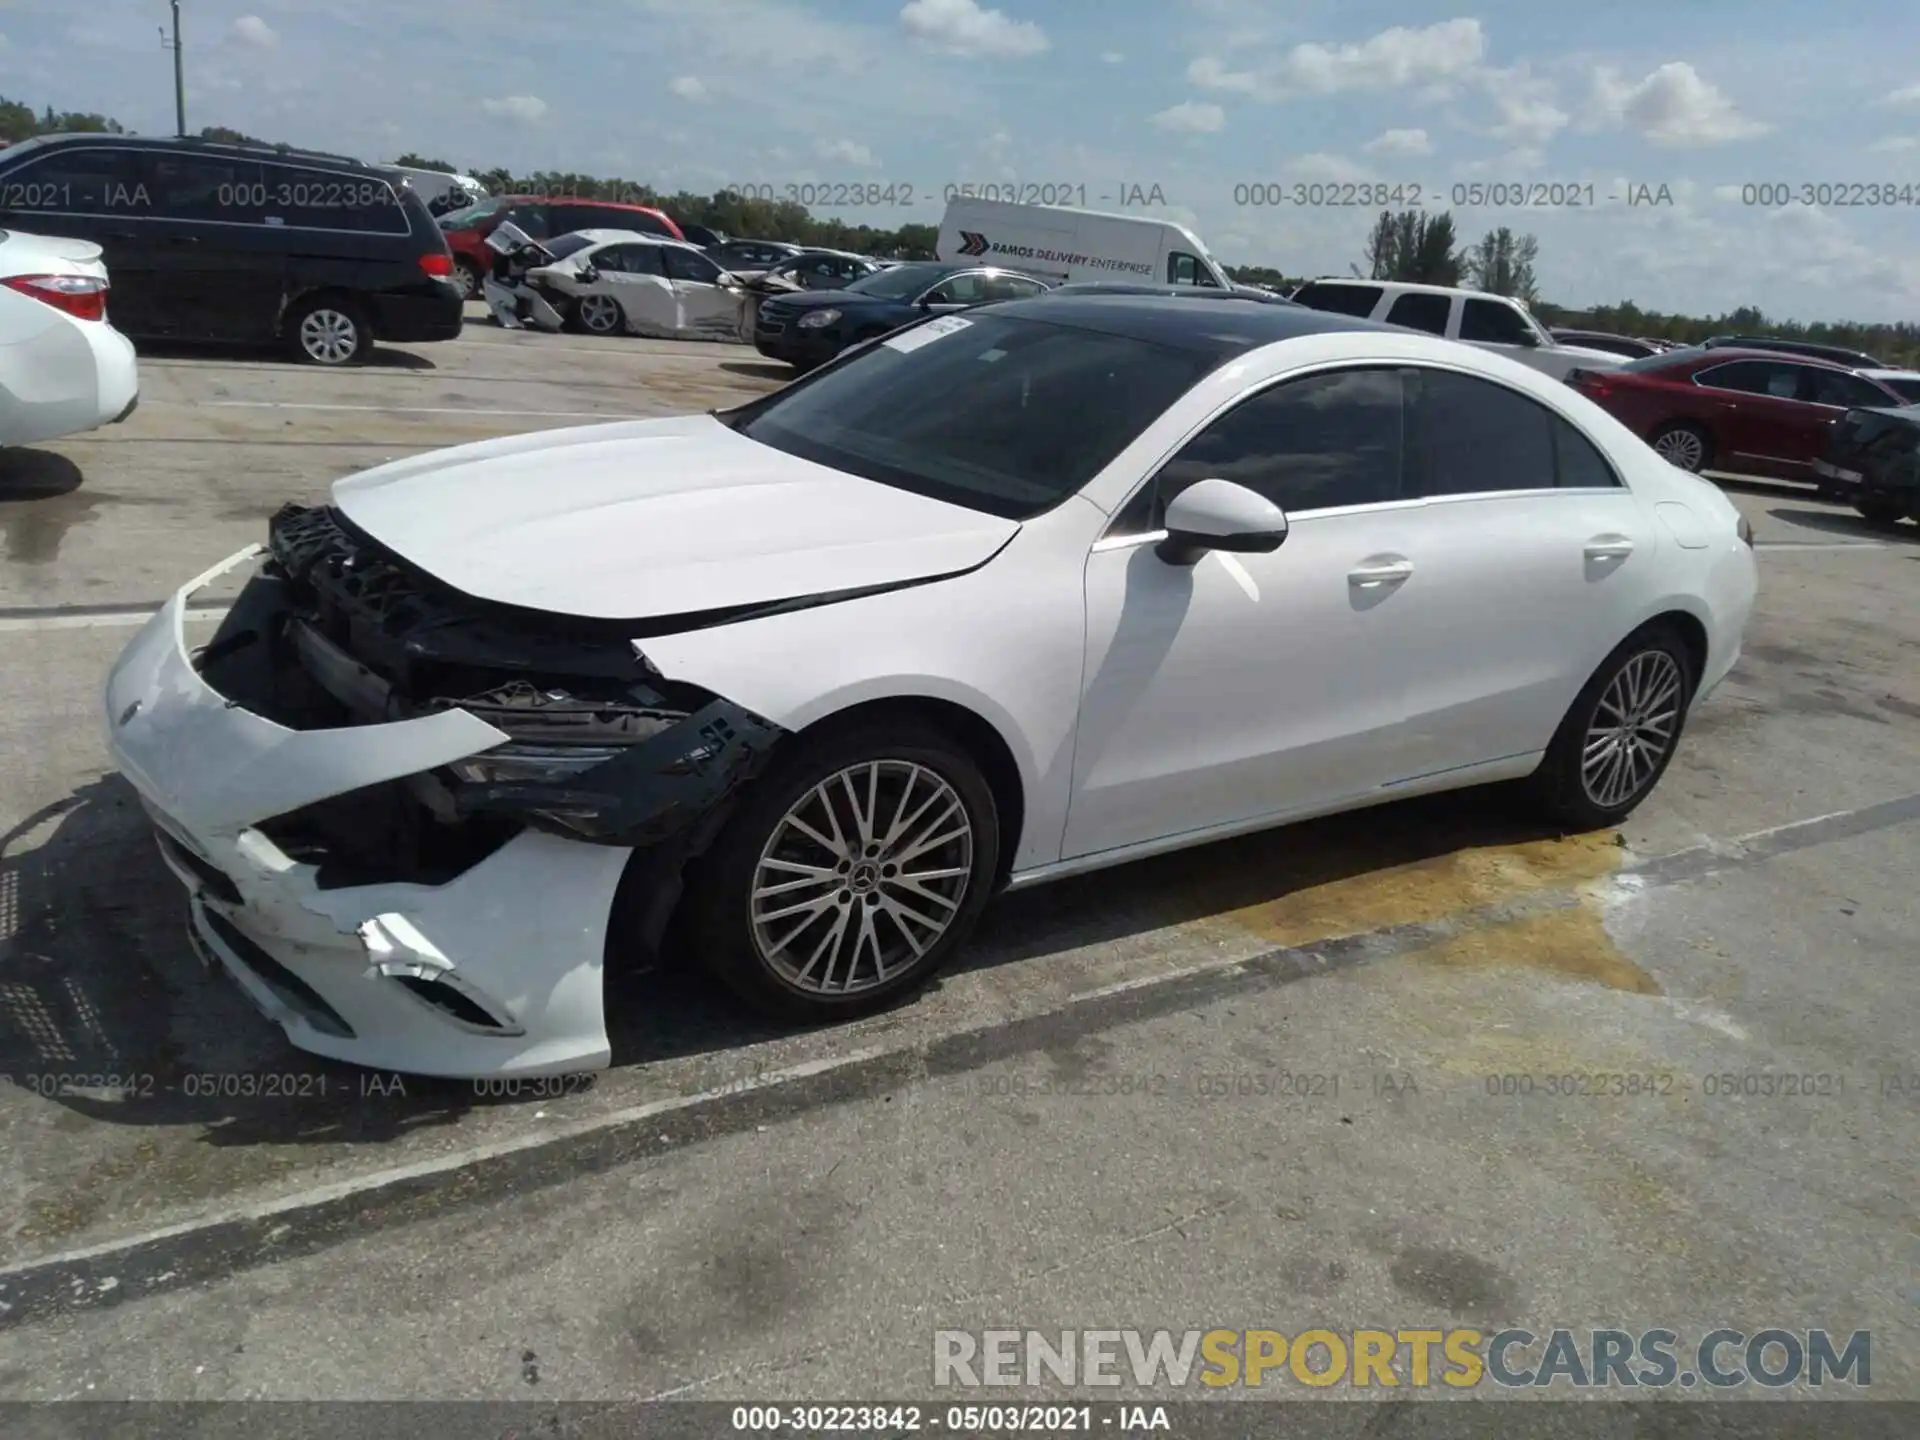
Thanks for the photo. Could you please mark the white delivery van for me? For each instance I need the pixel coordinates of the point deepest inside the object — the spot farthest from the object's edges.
(444, 191)
(1057, 244)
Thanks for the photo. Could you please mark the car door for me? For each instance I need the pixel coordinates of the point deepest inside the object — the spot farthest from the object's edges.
(1495, 325)
(1757, 422)
(1251, 686)
(218, 273)
(703, 305)
(636, 276)
(1528, 556)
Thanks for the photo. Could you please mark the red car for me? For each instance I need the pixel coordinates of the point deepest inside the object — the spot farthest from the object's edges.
(1754, 412)
(542, 217)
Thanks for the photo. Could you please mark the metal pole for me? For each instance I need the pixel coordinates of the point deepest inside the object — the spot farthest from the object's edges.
(179, 78)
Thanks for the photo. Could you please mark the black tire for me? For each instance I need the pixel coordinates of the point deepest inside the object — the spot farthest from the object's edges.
(469, 277)
(1689, 436)
(1559, 783)
(1880, 509)
(328, 329)
(719, 923)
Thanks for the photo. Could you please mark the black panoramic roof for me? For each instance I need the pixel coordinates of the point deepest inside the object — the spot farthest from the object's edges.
(1227, 327)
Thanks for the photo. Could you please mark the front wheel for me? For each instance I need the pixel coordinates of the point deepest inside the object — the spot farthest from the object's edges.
(1620, 733)
(599, 314)
(854, 870)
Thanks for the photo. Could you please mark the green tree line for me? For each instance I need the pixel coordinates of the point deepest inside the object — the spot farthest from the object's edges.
(1411, 245)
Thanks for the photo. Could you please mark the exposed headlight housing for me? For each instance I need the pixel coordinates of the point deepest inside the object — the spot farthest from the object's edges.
(818, 319)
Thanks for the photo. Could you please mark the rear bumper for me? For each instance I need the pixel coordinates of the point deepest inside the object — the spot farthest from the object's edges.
(428, 315)
(69, 376)
(496, 972)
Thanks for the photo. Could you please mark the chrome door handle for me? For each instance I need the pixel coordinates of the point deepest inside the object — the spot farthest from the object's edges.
(1366, 577)
(1609, 547)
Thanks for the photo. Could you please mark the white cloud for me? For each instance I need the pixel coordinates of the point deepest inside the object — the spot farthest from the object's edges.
(1322, 167)
(252, 30)
(1528, 109)
(1193, 117)
(515, 107)
(1674, 107)
(1432, 57)
(850, 152)
(1894, 145)
(1906, 95)
(688, 87)
(1399, 142)
(1112, 57)
(961, 27)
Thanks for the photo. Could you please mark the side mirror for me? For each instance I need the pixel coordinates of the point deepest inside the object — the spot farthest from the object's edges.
(1531, 340)
(589, 275)
(1220, 515)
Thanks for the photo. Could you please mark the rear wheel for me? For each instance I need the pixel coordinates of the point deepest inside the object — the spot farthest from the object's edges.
(1683, 443)
(328, 330)
(852, 873)
(1620, 733)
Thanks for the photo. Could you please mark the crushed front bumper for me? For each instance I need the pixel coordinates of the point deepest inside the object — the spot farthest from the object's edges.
(497, 971)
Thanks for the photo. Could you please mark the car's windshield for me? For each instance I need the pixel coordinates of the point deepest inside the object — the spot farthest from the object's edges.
(901, 282)
(567, 245)
(999, 414)
(468, 216)
(1907, 387)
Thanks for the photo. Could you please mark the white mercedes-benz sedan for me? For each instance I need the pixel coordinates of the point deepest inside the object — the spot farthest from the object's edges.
(790, 690)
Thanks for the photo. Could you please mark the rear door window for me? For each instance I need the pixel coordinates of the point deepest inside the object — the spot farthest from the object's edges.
(1419, 311)
(1339, 299)
(688, 265)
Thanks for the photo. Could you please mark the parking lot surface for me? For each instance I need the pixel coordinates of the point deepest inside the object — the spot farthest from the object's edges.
(1314, 1077)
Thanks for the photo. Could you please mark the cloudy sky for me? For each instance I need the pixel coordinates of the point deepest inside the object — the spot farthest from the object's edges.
(1201, 98)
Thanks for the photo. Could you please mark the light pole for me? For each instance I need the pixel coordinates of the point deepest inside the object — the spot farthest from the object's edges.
(179, 77)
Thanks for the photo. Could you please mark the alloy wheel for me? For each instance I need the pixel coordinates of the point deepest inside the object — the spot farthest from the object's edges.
(329, 336)
(1681, 447)
(861, 877)
(1633, 729)
(600, 313)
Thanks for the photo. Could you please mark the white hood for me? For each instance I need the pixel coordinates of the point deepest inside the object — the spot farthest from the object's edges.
(1591, 359)
(655, 517)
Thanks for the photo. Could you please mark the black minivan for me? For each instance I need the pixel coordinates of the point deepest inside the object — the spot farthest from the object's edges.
(213, 242)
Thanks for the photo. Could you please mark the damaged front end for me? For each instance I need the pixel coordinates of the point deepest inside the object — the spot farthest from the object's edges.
(335, 631)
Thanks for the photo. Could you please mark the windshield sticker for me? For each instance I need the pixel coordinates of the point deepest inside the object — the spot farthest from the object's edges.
(926, 334)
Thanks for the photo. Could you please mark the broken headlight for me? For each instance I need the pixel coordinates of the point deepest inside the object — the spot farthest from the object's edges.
(533, 764)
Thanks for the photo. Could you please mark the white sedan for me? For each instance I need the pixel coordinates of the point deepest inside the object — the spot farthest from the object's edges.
(63, 368)
(621, 280)
(815, 677)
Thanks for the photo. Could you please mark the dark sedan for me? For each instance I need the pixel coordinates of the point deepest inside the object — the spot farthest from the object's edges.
(810, 328)
(1834, 354)
(1627, 345)
(1873, 463)
(1178, 292)
(1749, 411)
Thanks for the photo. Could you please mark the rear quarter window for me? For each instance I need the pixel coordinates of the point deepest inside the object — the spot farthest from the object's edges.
(297, 197)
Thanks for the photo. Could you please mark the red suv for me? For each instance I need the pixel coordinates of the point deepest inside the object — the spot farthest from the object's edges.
(542, 217)
(1750, 411)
